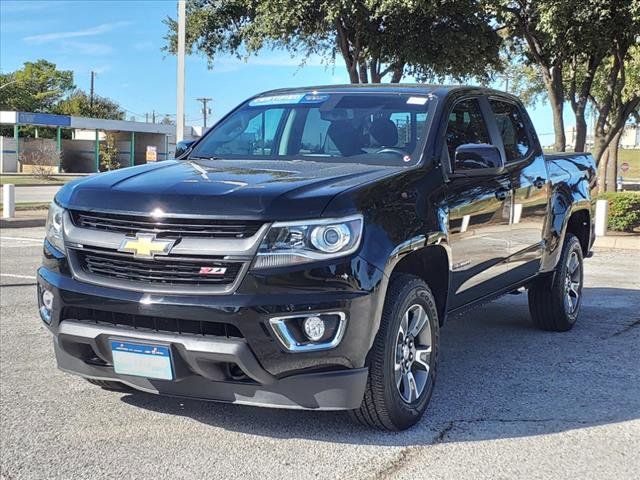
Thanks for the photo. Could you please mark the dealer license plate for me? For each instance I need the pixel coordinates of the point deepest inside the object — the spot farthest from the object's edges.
(142, 360)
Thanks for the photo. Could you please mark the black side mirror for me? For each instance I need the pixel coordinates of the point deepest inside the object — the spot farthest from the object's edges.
(182, 147)
(475, 156)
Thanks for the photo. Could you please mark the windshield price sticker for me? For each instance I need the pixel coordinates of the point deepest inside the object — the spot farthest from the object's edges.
(276, 100)
(289, 99)
(417, 101)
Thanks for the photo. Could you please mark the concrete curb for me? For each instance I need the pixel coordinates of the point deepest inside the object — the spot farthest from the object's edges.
(22, 222)
(631, 242)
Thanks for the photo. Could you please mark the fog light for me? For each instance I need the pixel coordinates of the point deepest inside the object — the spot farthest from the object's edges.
(314, 328)
(47, 299)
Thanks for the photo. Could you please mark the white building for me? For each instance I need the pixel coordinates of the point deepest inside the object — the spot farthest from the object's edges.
(137, 142)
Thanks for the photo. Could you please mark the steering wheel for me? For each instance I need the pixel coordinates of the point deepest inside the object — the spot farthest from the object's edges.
(396, 151)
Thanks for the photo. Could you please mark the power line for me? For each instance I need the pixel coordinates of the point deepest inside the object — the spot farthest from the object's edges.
(93, 75)
(205, 110)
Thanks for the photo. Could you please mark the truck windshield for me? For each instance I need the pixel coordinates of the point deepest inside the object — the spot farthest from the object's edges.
(381, 129)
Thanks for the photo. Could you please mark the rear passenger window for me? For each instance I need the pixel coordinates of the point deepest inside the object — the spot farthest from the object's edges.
(466, 125)
(512, 128)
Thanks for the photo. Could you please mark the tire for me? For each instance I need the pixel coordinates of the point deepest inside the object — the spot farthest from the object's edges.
(385, 405)
(555, 300)
(110, 385)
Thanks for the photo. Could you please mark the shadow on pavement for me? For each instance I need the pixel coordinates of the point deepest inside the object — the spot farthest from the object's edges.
(499, 377)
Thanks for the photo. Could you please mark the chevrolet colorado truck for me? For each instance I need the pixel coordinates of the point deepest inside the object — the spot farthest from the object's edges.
(307, 250)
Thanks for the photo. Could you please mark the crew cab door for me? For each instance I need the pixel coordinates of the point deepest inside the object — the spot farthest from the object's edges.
(529, 180)
(479, 206)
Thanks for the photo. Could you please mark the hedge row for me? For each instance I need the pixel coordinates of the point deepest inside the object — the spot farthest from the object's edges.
(624, 210)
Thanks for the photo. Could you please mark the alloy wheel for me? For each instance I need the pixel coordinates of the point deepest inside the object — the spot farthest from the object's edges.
(413, 353)
(572, 284)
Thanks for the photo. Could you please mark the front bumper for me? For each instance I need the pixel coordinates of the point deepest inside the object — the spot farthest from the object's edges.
(197, 377)
(269, 375)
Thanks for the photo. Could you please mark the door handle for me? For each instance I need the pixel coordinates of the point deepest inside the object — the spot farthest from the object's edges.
(502, 193)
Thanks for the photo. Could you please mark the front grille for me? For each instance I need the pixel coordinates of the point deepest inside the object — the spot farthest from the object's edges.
(166, 270)
(165, 227)
(145, 323)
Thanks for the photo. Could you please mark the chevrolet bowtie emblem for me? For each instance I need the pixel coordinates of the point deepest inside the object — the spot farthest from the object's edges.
(146, 245)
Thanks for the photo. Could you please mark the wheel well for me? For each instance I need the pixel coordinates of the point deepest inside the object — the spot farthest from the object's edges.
(431, 264)
(579, 225)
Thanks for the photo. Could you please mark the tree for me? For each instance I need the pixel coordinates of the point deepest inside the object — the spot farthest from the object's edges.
(35, 88)
(568, 41)
(109, 153)
(376, 39)
(167, 120)
(78, 103)
(616, 98)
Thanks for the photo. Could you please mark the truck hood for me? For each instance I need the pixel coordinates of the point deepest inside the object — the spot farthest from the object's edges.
(270, 190)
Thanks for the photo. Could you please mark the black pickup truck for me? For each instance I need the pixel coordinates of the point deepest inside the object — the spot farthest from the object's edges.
(306, 251)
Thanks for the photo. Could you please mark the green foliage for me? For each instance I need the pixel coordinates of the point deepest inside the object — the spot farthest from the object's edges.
(78, 103)
(624, 210)
(109, 153)
(37, 87)
(376, 38)
(569, 42)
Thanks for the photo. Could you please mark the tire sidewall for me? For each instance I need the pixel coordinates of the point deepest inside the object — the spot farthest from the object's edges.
(402, 413)
(572, 245)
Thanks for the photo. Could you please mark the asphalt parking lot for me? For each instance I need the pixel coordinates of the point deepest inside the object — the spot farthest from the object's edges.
(510, 402)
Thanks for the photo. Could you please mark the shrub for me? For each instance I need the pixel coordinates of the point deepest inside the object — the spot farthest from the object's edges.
(624, 210)
(109, 153)
(40, 158)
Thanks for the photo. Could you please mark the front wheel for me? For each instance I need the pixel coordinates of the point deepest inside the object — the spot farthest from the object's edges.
(403, 359)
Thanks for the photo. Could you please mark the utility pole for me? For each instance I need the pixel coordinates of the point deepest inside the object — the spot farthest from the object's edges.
(153, 116)
(205, 111)
(93, 74)
(180, 72)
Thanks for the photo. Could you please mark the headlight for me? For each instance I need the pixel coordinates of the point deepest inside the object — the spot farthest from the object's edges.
(292, 243)
(53, 228)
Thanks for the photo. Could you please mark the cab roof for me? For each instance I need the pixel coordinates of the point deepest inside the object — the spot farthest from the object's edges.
(406, 88)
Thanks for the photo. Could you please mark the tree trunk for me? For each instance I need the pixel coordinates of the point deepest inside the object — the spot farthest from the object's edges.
(558, 124)
(398, 73)
(581, 129)
(363, 74)
(612, 163)
(602, 172)
(349, 61)
(552, 78)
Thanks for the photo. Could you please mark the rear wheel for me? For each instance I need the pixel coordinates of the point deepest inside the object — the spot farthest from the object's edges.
(555, 300)
(403, 359)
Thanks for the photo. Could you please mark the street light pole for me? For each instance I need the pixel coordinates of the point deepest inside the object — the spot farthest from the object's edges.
(180, 79)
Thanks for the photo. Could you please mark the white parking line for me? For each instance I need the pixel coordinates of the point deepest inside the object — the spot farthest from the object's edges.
(22, 239)
(12, 275)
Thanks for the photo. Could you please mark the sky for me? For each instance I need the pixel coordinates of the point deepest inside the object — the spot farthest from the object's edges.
(122, 40)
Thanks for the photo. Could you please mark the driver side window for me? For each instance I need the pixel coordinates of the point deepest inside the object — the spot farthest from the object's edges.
(465, 126)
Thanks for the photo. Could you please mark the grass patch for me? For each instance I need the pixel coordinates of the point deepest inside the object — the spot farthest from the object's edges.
(632, 157)
(28, 206)
(34, 180)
